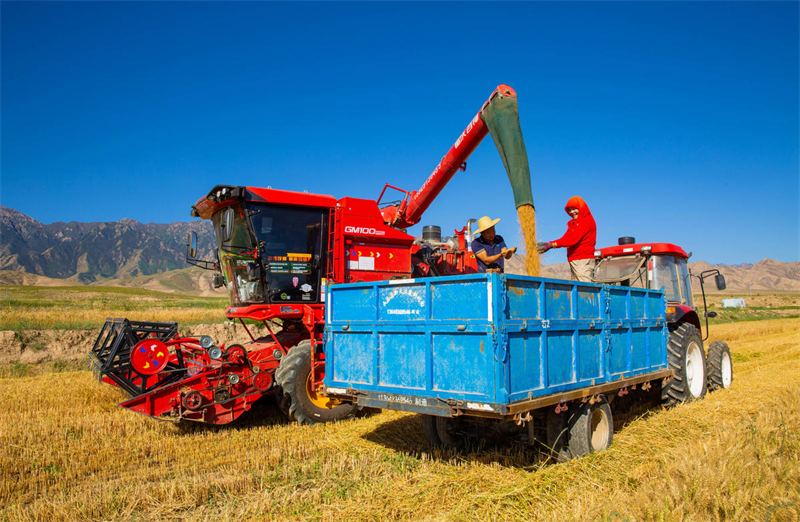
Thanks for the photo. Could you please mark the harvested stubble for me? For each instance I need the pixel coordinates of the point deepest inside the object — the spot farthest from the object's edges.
(66, 453)
(527, 220)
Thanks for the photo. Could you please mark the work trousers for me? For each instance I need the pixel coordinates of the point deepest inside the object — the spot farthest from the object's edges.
(582, 270)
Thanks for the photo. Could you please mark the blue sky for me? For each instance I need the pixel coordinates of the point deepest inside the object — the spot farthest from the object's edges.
(676, 122)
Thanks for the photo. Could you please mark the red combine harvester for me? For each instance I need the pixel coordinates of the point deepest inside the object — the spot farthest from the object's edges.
(276, 251)
(657, 265)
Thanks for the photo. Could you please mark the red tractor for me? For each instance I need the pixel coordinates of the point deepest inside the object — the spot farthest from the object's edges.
(657, 265)
(276, 252)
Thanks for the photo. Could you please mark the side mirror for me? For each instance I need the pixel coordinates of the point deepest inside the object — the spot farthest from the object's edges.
(720, 279)
(191, 244)
(254, 272)
(227, 224)
(217, 280)
(711, 314)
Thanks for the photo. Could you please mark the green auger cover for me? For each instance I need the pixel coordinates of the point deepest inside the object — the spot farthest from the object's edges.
(501, 116)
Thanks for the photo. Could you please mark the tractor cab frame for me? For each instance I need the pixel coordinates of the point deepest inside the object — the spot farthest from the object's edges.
(655, 266)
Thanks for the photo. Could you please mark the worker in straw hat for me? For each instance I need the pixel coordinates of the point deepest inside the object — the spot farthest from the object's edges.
(489, 249)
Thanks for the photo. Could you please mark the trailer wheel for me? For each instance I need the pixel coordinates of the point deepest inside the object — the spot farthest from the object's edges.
(448, 430)
(591, 429)
(557, 435)
(304, 405)
(686, 359)
(720, 368)
(430, 431)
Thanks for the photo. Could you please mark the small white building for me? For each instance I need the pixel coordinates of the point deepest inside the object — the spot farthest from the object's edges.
(733, 303)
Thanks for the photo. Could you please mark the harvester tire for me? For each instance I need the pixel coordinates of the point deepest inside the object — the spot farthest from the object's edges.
(591, 428)
(303, 406)
(430, 431)
(719, 366)
(686, 359)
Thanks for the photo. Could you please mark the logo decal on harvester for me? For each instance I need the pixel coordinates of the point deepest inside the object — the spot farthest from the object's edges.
(364, 231)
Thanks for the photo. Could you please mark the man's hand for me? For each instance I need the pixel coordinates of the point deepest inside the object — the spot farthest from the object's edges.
(544, 247)
(508, 252)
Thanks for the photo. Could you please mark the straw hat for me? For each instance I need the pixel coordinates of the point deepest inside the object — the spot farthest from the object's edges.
(484, 223)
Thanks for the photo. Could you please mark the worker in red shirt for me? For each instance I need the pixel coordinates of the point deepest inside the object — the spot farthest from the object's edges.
(579, 240)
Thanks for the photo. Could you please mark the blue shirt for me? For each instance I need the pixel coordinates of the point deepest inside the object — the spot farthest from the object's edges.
(481, 245)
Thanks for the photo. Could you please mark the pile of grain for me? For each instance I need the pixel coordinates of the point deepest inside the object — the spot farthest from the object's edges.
(527, 220)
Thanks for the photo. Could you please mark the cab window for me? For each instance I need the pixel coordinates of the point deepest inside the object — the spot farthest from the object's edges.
(235, 255)
(665, 273)
(686, 281)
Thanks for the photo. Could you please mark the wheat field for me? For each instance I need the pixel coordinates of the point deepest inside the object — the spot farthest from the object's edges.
(42, 307)
(67, 453)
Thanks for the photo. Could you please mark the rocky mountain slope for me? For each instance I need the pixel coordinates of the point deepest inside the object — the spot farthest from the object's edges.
(92, 252)
(129, 253)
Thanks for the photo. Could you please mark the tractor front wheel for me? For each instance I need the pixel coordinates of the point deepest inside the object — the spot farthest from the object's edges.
(720, 368)
(297, 396)
(687, 360)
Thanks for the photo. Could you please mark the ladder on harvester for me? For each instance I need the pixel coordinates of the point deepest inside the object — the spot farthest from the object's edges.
(334, 254)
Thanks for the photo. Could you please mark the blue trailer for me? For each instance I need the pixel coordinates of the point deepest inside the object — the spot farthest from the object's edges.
(496, 346)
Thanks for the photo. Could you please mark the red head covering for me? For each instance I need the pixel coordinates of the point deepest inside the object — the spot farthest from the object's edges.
(580, 204)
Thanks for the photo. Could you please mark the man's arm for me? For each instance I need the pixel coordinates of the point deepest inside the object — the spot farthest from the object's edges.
(505, 251)
(486, 259)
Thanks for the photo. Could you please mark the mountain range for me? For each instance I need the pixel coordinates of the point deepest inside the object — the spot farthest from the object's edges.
(94, 252)
(152, 255)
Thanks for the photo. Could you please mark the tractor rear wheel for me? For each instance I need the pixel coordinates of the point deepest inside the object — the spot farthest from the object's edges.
(591, 429)
(720, 368)
(303, 403)
(687, 360)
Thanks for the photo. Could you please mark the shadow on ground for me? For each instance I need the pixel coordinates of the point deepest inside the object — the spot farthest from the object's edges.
(264, 412)
(405, 435)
